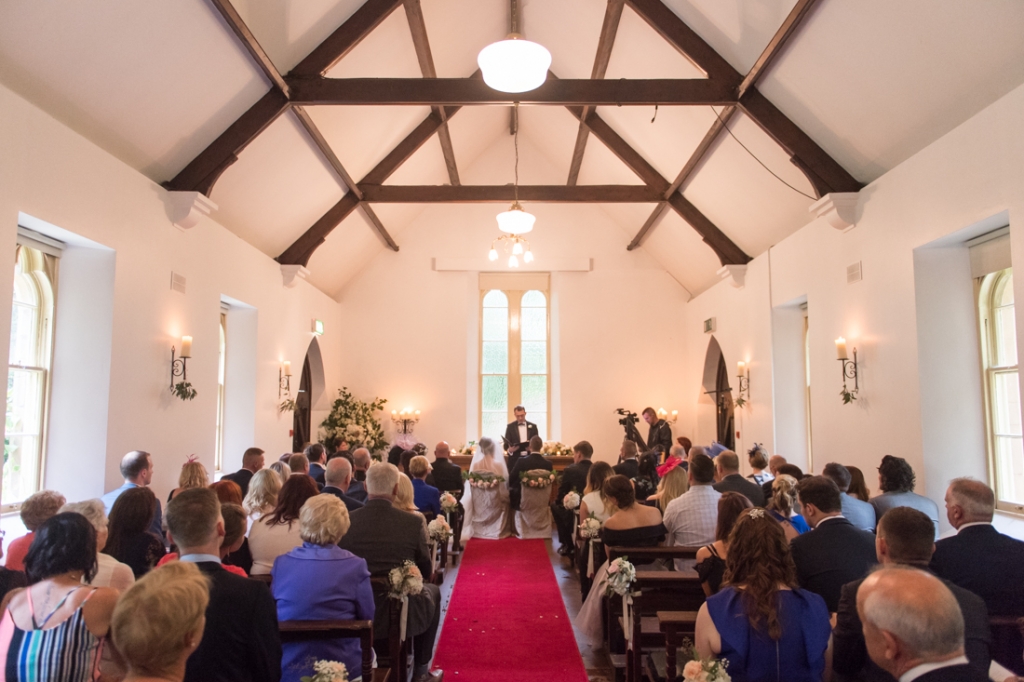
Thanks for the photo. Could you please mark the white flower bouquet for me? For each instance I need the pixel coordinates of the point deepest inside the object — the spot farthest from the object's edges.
(590, 527)
(327, 671)
(439, 530)
(483, 480)
(699, 670)
(571, 500)
(405, 580)
(553, 448)
(466, 449)
(537, 478)
(448, 503)
(621, 576)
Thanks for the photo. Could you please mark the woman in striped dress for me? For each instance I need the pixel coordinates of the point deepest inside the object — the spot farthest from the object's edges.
(54, 630)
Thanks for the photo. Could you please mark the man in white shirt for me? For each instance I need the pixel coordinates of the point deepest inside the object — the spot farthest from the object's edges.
(517, 436)
(913, 627)
(691, 518)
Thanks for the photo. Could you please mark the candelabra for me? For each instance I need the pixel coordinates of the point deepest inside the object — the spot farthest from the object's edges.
(669, 417)
(406, 419)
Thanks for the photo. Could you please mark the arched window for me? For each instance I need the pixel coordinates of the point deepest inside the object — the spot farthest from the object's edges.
(999, 353)
(28, 376)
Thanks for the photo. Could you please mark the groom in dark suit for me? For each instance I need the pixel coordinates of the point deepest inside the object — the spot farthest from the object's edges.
(534, 460)
(517, 436)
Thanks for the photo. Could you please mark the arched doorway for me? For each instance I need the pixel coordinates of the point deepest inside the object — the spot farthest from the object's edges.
(718, 392)
(311, 391)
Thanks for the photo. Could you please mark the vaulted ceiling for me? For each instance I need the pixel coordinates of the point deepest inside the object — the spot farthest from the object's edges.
(240, 99)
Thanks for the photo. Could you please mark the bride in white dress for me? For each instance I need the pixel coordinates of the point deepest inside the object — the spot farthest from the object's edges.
(487, 509)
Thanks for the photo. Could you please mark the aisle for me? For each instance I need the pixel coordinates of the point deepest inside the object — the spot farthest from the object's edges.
(506, 619)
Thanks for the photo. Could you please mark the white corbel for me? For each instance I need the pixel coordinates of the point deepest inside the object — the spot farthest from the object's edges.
(734, 273)
(839, 209)
(292, 274)
(186, 208)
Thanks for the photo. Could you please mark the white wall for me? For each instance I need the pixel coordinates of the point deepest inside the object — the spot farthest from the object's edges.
(51, 173)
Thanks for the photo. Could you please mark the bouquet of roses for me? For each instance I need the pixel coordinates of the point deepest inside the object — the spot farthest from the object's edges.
(439, 530)
(405, 580)
(621, 576)
(537, 478)
(327, 671)
(448, 503)
(483, 479)
(699, 670)
(553, 448)
(590, 527)
(571, 500)
(466, 449)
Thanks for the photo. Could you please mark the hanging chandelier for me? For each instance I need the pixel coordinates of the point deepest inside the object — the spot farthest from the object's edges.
(514, 64)
(514, 222)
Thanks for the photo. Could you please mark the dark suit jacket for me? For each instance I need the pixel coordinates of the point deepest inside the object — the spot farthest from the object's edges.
(660, 436)
(630, 468)
(242, 478)
(447, 476)
(531, 461)
(956, 673)
(850, 656)
(357, 491)
(831, 555)
(350, 504)
(512, 437)
(735, 483)
(574, 477)
(240, 643)
(386, 537)
(318, 473)
(986, 562)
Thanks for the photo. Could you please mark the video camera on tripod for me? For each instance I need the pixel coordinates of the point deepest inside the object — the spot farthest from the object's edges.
(628, 422)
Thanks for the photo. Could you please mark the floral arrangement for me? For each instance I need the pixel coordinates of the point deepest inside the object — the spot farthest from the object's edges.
(466, 449)
(327, 671)
(439, 530)
(699, 670)
(590, 527)
(405, 580)
(537, 478)
(621, 576)
(448, 503)
(484, 479)
(354, 421)
(553, 448)
(571, 500)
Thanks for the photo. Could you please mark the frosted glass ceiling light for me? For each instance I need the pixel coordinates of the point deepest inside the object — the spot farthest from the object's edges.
(515, 220)
(493, 255)
(528, 257)
(514, 64)
(513, 262)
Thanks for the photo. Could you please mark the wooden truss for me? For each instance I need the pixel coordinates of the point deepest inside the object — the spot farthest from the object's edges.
(306, 86)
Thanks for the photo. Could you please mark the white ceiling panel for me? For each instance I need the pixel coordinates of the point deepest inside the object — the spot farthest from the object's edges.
(601, 167)
(346, 252)
(666, 142)
(570, 29)
(551, 130)
(459, 29)
(473, 131)
(425, 167)
(388, 52)
(680, 250)
(277, 189)
(640, 52)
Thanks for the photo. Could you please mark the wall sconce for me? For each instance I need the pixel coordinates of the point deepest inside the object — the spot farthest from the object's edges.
(670, 418)
(179, 368)
(284, 379)
(849, 371)
(743, 374)
(405, 419)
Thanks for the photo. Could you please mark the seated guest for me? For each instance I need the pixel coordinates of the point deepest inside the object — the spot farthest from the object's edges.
(193, 475)
(342, 591)
(859, 513)
(674, 482)
(913, 627)
(532, 460)
(283, 472)
(54, 629)
(317, 456)
(685, 444)
(593, 500)
(426, 497)
(228, 492)
(261, 499)
(159, 622)
(727, 471)
(278, 532)
(137, 469)
(573, 479)
(338, 477)
(775, 465)
(676, 457)
(252, 462)
(711, 558)
(35, 510)
(632, 524)
(905, 538)
(361, 461)
(386, 537)
(692, 517)
(405, 499)
(395, 455)
(628, 465)
(241, 643)
(758, 460)
(130, 539)
(858, 488)
(761, 622)
(447, 476)
(782, 506)
(12, 580)
(835, 552)
(109, 571)
(896, 481)
(234, 536)
(645, 483)
(298, 464)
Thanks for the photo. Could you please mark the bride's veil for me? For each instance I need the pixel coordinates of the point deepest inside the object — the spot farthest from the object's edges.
(494, 463)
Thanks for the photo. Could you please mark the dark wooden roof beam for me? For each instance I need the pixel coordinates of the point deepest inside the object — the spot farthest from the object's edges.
(467, 194)
(362, 22)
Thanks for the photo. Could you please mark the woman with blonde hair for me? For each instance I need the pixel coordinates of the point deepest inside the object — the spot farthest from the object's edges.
(34, 511)
(159, 622)
(405, 499)
(110, 572)
(782, 507)
(193, 475)
(282, 471)
(262, 496)
(594, 502)
(674, 482)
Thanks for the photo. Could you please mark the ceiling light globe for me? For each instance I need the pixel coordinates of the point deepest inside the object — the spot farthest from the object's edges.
(513, 262)
(514, 64)
(516, 221)
(528, 257)
(493, 255)
(517, 248)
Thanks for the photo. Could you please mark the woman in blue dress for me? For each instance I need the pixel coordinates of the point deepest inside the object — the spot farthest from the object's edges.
(761, 622)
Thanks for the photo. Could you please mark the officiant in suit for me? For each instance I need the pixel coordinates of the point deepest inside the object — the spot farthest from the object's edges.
(517, 437)
(534, 460)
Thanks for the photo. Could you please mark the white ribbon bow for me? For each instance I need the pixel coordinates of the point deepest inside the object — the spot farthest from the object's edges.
(590, 561)
(404, 619)
(433, 556)
(627, 619)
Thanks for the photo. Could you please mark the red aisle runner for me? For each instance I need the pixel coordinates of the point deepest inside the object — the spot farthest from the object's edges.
(506, 619)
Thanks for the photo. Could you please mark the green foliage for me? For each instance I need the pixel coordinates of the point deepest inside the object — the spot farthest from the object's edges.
(848, 396)
(354, 421)
(287, 406)
(184, 390)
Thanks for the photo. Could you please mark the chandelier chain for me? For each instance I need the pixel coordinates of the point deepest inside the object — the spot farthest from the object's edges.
(516, 143)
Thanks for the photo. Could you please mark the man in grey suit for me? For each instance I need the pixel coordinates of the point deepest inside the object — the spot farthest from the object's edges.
(386, 537)
(858, 512)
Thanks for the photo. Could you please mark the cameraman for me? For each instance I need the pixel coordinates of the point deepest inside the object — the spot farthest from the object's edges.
(660, 436)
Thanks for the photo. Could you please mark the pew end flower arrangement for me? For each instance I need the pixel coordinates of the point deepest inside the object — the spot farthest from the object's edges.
(700, 670)
(327, 671)
(536, 478)
(448, 503)
(439, 530)
(590, 527)
(571, 500)
(482, 480)
(405, 580)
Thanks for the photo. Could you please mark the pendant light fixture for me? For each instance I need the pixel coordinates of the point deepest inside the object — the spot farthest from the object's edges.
(514, 64)
(514, 222)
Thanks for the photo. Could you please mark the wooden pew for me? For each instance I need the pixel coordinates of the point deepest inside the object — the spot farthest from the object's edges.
(675, 625)
(399, 651)
(308, 630)
(646, 555)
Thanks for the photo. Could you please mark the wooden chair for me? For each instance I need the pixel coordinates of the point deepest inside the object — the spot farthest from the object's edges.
(317, 630)
(1008, 642)
(399, 651)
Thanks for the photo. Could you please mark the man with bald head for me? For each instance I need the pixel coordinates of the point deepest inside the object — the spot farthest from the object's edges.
(447, 476)
(913, 628)
(338, 476)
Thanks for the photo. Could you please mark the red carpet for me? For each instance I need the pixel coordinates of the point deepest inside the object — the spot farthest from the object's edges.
(506, 619)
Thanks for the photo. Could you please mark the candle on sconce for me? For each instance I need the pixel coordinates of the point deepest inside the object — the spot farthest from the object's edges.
(186, 347)
(841, 349)
(287, 368)
(740, 367)
(675, 413)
